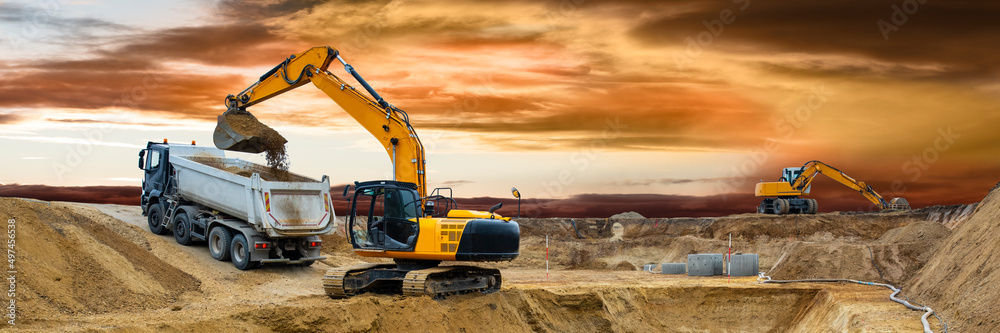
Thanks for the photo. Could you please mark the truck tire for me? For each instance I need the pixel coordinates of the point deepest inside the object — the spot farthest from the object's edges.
(220, 242)
(240, 252)
(182, 229)
(155, 218)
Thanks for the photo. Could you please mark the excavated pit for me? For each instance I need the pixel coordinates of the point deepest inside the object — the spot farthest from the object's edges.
(144, 282)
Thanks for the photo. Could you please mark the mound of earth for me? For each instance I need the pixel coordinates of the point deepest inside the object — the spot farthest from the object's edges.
(67, 262)
(961, 279)
(627, 216)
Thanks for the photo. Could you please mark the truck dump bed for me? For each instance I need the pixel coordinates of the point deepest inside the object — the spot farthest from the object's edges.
(291, 207)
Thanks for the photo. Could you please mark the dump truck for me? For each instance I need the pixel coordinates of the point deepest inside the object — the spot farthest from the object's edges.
(246, 212)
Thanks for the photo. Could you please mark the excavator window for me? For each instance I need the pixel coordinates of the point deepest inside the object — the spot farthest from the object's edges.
(385, 218)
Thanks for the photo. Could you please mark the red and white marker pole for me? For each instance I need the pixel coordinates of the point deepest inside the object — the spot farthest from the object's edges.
(546, 257)
(729, 259)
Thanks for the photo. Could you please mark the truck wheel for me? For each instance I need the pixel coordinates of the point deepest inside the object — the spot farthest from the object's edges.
(219, 242)
(240, 252)
(182, 229)
(155, 219)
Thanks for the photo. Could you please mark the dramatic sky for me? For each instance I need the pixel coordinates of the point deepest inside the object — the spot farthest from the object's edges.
(668, 108)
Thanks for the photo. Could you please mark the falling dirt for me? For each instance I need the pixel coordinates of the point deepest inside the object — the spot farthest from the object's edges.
(274, 143)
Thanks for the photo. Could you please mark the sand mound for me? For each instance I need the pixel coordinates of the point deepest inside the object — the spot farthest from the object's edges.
(69, 263)
(926, 232)
(848, 227)
(898, 262)
(627, 216)
(962, 280)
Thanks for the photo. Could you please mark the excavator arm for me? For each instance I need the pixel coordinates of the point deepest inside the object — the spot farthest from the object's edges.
(813, 168)
(384, 121)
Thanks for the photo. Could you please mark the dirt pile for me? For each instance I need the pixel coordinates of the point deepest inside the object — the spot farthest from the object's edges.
(274, 143)
(951, 216)
(627, 215)
(961, 281)
(864, 227)
(266, 173)
(68, 263)
(585, 309)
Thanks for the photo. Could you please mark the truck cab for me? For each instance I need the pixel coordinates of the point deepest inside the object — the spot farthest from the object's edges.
(153, 162)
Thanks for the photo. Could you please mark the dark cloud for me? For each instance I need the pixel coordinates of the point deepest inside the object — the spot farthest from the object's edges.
(959, 34)
(173, 94)
(235, 44)
(456, 183)
(8, 118)
(46, 15)
(256, 10)
(666, 181)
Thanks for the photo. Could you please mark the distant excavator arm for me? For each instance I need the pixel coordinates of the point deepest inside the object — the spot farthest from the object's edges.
(813, 168)
(387, 123)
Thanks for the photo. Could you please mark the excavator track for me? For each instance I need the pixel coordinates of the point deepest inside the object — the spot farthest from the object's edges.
(333, 280)
(442, 281)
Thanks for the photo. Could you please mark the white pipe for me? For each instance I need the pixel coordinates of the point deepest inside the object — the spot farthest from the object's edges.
(923, 319)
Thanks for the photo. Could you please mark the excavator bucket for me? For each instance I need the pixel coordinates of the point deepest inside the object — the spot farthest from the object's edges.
(239, 130)
(899, 204)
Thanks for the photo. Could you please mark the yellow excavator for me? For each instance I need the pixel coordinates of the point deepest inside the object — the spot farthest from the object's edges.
(783, 195)
(395, 218)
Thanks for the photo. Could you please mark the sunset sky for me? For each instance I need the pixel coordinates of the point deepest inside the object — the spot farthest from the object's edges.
(668, 108)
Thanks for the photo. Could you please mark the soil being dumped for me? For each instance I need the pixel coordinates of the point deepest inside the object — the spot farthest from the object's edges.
(273, 142)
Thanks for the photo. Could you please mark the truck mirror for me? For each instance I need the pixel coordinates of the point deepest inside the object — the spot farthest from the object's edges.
(142, 160)
(346, 188)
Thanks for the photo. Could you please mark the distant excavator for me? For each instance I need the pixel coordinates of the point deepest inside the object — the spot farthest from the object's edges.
(783, 195)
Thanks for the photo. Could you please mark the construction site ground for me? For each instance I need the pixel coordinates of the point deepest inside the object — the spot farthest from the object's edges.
(84, 267)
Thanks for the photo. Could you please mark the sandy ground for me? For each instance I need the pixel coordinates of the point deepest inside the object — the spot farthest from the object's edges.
(96, 267)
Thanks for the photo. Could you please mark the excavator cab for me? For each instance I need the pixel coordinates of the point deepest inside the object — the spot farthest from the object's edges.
(384, 215)
(790, 174)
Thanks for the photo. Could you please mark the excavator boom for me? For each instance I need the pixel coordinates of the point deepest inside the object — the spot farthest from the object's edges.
(385, 122)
